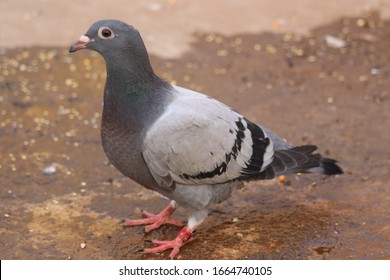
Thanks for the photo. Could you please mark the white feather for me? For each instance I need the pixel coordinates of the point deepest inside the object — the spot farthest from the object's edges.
(268, 155)
(192, 137)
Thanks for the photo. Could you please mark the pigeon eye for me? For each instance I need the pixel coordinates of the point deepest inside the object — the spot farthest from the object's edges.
(105, 33)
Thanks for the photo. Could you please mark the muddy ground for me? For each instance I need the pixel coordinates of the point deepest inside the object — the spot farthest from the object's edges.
(61, 199)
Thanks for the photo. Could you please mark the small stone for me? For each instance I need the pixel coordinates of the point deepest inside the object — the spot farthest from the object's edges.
(257, 47)
(83, 245)
(222, 52)
(335, 42)
(363, 78)
(271, 49)
(361, 22)
(49, 170)
(375, 71)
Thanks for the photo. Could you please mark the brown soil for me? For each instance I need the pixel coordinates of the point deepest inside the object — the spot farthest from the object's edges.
(303, 89)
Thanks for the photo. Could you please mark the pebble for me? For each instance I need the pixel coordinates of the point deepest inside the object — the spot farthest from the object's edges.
(257, 47)
(49, 170)
(335, 42)
(271, 49)
(222, 52)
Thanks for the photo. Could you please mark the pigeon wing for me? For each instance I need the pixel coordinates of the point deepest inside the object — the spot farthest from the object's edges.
(199, 140)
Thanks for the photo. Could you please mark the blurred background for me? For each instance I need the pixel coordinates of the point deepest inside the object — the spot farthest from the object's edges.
(315, 72)
(168, 25)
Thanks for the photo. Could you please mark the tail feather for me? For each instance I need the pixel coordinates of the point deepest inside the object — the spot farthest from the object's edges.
(328, 166)
(300, 160)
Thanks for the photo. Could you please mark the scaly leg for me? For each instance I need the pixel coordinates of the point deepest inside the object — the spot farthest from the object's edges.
(184, 236)
(154, 221)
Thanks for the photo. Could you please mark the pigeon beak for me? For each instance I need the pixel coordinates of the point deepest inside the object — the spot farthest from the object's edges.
(81, 43)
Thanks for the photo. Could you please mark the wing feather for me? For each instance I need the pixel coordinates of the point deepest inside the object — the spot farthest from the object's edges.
(199, 140)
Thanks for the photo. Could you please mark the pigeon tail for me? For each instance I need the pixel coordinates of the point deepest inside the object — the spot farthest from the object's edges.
(300, 160)
(327, 166)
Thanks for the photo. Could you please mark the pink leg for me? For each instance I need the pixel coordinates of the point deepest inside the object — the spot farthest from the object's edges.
(184, 236)
(154, 221)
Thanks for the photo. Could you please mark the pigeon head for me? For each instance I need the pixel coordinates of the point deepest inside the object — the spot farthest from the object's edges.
(105, 36)
(118, 42)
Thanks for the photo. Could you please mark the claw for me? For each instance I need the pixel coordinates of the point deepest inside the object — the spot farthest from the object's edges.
(184, 236)
(154, 221)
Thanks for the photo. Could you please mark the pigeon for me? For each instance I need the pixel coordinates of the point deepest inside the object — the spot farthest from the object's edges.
(185, 145)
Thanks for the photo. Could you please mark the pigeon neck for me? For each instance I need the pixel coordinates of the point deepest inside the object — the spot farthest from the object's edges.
(130, 79)
(130, 71)
(131, 90)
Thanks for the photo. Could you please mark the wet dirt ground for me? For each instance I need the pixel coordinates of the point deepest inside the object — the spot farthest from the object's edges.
(61, 199)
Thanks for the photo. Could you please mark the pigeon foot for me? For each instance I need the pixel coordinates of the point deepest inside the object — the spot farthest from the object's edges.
(184, 236)
(155, 221)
